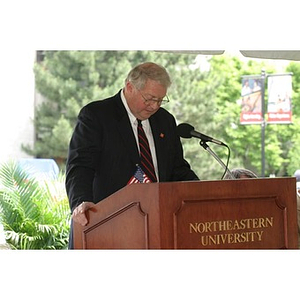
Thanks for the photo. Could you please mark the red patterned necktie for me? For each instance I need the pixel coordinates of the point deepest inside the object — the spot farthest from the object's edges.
(145, 153)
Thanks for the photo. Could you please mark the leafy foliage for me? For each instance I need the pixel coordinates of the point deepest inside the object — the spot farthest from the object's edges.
(246, 140)
(206, 98)
(35, 215)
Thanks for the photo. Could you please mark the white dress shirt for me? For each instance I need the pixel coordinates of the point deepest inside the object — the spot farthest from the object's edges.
(147, 129)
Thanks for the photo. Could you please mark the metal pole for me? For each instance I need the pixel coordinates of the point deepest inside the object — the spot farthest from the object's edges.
(263, 123)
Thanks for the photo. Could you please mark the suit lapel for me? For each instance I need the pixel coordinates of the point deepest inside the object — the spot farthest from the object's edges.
(126, 133)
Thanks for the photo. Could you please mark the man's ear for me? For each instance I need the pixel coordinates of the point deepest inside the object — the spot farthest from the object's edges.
(129, 86)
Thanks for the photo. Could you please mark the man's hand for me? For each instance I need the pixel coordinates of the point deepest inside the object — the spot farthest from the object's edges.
(79, 213)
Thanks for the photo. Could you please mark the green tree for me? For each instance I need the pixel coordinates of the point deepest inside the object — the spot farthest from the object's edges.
(70, 79)
(293, 158)
(34, 215)
(193, 95)
(207, 99)
(228, 71)
(245, 140)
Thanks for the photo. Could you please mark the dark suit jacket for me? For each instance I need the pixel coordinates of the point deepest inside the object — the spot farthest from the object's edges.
(103, 153)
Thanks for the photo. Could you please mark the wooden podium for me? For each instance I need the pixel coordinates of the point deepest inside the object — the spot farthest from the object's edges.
(227, 214)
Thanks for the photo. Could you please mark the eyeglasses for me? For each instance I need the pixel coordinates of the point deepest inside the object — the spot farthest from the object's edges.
(153, 100)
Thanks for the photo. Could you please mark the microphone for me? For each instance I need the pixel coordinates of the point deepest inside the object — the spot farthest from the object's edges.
(187, 131)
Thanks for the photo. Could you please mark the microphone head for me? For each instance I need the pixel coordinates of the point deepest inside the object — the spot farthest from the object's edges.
(184, 130)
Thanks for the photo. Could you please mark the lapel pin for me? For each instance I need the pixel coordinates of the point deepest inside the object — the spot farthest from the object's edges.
(162, 135)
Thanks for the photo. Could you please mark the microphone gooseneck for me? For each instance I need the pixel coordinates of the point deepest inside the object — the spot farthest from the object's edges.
(185, 130)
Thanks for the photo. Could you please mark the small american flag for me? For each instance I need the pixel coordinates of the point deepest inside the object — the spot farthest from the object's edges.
(139, 177)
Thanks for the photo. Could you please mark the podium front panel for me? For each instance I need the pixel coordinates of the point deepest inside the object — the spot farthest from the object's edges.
(258, 215)
(126, 228)
(231, 224)
(225, 214)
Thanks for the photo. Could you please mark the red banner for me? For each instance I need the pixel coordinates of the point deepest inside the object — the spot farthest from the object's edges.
(251, 100)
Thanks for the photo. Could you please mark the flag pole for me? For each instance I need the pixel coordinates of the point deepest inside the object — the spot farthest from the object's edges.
(263, 123)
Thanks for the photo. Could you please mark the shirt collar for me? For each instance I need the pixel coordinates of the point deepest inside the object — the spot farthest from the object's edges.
(130, 114)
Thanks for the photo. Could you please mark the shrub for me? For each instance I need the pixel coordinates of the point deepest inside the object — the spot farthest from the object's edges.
(35, 214)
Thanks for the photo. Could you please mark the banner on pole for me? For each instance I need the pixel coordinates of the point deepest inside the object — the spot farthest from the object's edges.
(279, 99)
(251, 100)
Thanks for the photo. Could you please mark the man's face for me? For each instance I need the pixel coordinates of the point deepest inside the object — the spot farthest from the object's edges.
(140, 101)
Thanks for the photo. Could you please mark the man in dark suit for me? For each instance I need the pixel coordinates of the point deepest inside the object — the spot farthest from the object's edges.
(104, 149)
